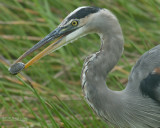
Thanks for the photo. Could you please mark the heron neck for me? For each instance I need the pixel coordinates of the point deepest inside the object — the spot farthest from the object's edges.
(99, 64)
(110, 52)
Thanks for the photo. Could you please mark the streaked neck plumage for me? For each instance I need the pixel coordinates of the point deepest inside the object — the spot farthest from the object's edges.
(99, 64)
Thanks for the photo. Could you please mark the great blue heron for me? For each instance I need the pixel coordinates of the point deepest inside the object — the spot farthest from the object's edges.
(138, 105)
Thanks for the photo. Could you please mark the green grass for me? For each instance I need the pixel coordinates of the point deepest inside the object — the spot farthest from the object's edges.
(48, 94)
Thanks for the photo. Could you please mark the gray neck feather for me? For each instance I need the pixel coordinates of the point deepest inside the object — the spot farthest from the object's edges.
(98, 65)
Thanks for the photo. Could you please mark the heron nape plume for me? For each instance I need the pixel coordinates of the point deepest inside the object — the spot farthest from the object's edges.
(138, 105)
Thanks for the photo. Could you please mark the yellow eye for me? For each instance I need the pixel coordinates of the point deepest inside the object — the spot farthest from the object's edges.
(74, 23)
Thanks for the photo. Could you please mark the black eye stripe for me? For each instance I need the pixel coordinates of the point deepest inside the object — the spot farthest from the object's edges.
(83, 13)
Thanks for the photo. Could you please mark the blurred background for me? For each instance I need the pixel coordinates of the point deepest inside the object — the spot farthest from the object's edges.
(48, 94)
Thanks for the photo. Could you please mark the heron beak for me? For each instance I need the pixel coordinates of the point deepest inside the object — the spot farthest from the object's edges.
(58, 38)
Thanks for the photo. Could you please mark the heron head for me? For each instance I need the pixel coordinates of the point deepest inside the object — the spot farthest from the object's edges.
(75, 25)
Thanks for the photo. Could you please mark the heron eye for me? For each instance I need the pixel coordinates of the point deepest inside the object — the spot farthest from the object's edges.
(74, 23)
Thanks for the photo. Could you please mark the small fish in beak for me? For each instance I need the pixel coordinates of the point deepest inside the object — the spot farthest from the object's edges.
(16, 68)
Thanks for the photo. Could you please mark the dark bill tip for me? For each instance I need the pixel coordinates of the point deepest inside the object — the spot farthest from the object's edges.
(16, 68)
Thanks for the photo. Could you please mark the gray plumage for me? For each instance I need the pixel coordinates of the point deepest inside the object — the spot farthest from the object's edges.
(138, 105)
